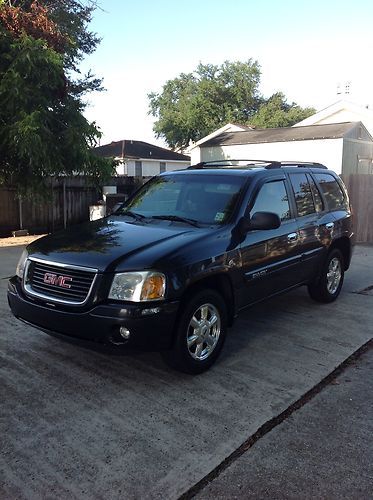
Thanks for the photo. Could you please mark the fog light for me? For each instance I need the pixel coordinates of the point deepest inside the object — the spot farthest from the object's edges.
(151, 310)
(124, 332)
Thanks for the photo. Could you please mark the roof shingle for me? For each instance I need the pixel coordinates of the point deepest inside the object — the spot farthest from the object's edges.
(136, 150)
(285, 134)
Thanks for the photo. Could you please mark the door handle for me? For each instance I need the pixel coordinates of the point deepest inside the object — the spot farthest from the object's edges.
(292, 237)
(329, 225)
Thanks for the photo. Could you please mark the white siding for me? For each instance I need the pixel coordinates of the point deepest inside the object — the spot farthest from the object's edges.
(176, 165)
(152, 167)
(121, 170)
(326, 151)
(195, 155)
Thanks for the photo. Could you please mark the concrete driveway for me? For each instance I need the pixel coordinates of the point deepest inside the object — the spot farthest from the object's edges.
(81, 424)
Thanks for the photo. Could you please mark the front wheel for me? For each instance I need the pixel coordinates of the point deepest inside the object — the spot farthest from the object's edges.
(329, 285)
(200, 333)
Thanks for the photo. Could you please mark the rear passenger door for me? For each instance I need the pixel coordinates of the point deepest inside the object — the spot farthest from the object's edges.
(270, 257)
(338, 223)
(313, 221)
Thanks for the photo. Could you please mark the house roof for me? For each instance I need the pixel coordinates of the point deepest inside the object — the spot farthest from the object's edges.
(329, 112)
(284, 134)
(229, 127)
(129, 149)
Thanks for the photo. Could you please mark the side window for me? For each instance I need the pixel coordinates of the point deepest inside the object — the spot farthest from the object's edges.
(319, 205)
(272, 197)
(303, 194)
(332, 191)
(138, 168)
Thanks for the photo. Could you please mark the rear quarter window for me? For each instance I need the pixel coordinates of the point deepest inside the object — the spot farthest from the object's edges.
(303, 194)
(332, 192)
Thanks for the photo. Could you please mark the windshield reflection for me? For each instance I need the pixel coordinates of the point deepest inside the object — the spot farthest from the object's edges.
(193, 199)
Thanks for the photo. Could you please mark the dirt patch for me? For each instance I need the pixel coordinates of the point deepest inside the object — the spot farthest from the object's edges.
(19, 240)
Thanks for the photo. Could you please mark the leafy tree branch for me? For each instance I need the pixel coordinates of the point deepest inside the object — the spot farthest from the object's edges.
(193, 105)
(43, 131)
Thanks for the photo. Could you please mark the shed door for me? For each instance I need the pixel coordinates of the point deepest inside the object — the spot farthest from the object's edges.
(365, 165)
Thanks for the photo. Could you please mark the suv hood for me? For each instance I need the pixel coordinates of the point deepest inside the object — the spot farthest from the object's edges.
(106, 244)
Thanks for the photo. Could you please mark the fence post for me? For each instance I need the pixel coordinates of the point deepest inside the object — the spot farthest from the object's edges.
(52, 204)
(20, 213)
(64, 204)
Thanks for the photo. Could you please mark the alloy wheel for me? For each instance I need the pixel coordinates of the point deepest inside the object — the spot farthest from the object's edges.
(334, 275)
(203, 331)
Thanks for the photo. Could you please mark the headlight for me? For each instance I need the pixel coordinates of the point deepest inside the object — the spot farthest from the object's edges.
(138, 286)
(21, 264)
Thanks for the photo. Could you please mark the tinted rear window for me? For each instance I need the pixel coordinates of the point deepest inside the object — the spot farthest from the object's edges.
(332, 191)
(303, 194)
(319, 205)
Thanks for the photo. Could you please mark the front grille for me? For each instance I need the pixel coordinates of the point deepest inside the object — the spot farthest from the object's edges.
(64, 284)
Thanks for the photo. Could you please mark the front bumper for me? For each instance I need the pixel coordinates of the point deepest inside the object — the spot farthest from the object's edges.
(151, 325)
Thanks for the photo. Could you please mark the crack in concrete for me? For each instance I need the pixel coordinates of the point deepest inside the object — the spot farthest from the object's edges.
(365, 291)
(275, 421)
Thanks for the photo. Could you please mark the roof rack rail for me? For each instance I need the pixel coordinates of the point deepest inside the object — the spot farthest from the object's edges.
(300, 164)
(256, 163)
(228, 163)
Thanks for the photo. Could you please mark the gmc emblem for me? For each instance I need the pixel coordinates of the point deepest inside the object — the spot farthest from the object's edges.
(54, 279)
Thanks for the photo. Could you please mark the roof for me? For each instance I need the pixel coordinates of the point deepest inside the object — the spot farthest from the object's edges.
(229, 127)
(335, 108)
(129, 149)
(284, 134)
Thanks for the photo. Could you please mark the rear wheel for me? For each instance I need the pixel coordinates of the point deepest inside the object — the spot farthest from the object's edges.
(200, 333)
(329, 285)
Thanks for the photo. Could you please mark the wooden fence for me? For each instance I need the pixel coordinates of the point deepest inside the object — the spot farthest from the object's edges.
(67, 203)
(70, 199)
(360, 188)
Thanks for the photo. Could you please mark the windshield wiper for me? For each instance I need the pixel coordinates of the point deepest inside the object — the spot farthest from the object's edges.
(177, 218)
(135, 215)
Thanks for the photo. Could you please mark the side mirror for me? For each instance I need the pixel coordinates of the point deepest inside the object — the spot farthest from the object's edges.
(243, 226)
(260, 220)
(264, 220)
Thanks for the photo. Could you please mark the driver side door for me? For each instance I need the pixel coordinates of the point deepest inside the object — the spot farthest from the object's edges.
(270, 258)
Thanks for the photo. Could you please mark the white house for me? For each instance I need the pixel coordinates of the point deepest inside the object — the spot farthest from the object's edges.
(344, 147)
(341, 111)
(141, 159)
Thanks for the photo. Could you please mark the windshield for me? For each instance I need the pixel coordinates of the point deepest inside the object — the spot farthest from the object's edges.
(205, 199)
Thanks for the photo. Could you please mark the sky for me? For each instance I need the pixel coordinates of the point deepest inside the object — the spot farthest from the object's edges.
(306, 49)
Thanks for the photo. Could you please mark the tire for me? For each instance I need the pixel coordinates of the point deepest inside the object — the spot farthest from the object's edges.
(200, 333)
(328, 286)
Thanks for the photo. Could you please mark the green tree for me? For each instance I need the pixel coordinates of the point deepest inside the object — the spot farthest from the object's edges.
(42, 129)
(72, 18)
(276, 112)
(194, 104)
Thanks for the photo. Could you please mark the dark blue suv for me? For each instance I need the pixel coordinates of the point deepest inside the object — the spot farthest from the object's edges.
(173, 266)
